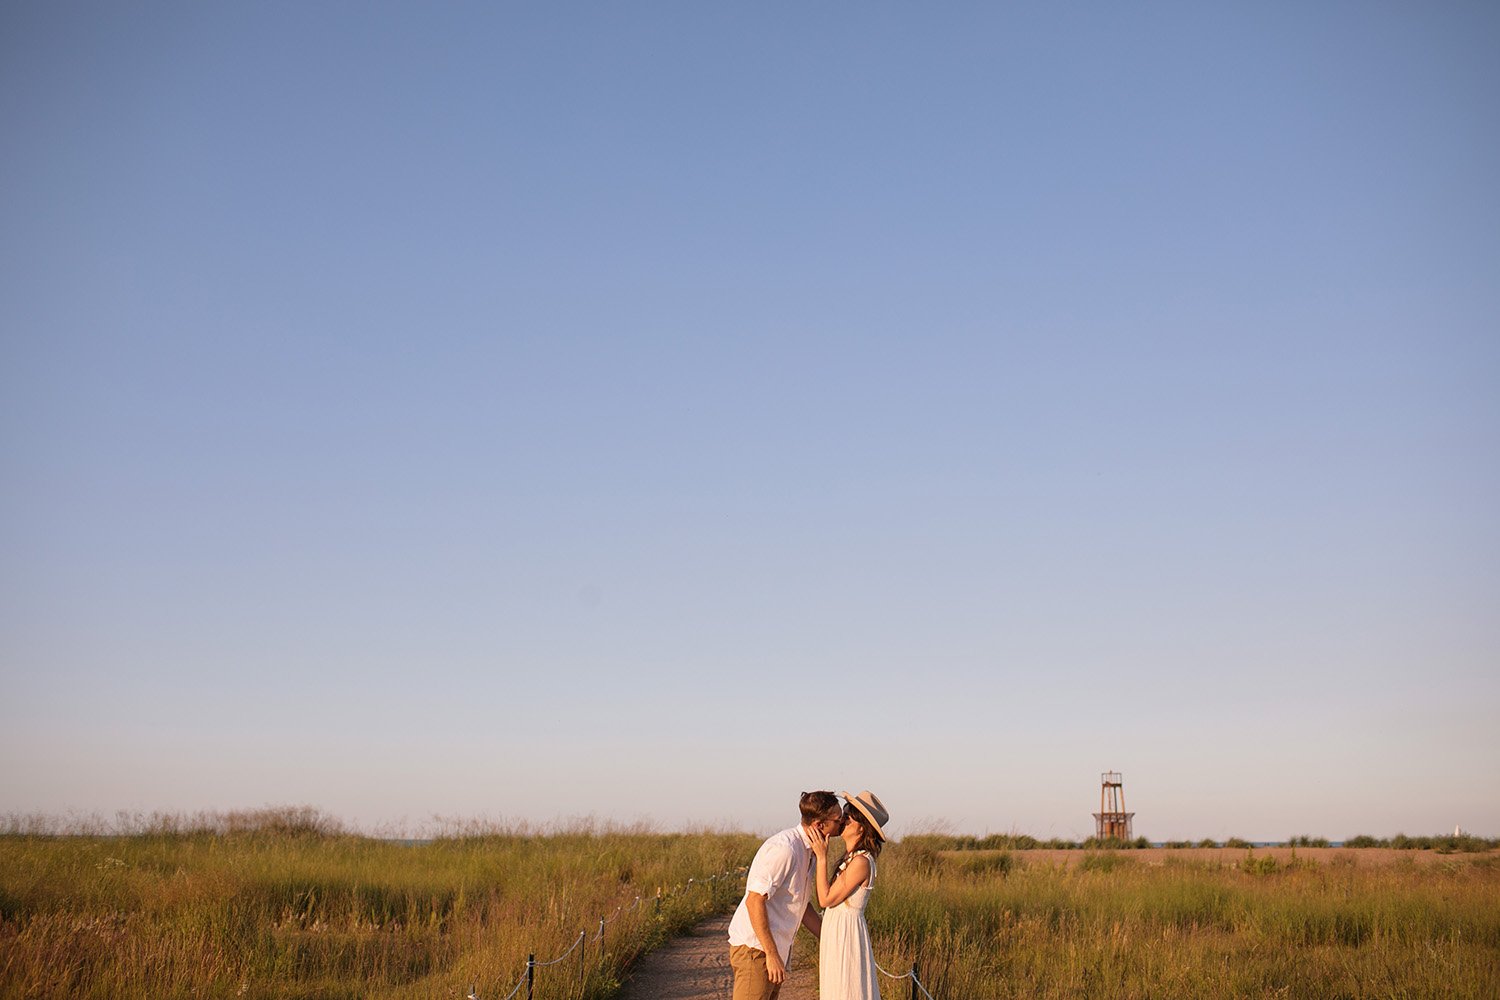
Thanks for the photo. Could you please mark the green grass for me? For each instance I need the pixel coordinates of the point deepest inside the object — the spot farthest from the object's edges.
(1115, 925)
(308, 915)
(286, 905)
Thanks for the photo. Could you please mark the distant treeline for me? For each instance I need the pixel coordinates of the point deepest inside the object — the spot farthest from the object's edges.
(1442, 843)
(301, 821)
(276, 821)
(1018, 842)
(294, 822)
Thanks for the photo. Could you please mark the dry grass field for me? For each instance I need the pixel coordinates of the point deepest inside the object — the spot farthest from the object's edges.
(286, 908)
(1192, 923)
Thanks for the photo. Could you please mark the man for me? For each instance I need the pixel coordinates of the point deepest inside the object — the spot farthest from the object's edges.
(777, 891)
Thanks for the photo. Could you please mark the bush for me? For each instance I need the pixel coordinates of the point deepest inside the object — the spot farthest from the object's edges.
(919, 856)
(936, 842)
(1265, 865)
(1104, 861)
(988, 863)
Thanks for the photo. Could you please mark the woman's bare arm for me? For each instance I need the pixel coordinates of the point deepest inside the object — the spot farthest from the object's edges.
(851, 878)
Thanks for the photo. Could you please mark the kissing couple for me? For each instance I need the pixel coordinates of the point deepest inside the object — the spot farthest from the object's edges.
(791, 868)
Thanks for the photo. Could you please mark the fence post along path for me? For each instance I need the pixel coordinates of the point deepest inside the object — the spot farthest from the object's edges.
(576, 984)
(694, 966)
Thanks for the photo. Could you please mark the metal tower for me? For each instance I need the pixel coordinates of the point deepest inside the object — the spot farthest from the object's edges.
(1112, 821)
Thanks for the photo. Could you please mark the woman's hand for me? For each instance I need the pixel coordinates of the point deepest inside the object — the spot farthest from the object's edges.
(819, 843)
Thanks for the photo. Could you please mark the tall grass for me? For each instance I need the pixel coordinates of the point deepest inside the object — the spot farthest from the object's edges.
(1117, 926)
(286, 904)
(290, 910)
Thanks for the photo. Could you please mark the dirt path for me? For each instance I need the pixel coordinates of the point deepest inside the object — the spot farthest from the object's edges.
(696, 967)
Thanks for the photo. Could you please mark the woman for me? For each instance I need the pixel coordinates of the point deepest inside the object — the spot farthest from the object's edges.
(846, 965)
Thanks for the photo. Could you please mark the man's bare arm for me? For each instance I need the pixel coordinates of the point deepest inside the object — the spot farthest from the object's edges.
(760, 922)
(813, 921)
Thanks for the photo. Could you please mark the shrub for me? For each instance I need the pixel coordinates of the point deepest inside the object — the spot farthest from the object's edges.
(1104, 861)
(1264, 865)
(918, 856)
(934, 842)
(987, 863)
(1402, 842)
(1303, 840)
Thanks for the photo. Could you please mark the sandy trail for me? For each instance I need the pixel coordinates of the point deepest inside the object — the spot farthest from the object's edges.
(696, 967)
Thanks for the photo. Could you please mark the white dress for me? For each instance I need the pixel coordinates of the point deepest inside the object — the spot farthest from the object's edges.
(846, 965)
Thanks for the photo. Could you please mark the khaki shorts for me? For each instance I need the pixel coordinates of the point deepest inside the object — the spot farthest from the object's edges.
(750, 982)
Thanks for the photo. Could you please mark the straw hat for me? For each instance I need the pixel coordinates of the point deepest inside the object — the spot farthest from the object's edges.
(870, 806)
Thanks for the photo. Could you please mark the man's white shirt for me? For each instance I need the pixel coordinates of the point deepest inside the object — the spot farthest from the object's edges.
(782, 872)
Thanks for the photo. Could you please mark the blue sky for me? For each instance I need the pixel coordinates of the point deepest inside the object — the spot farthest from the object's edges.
(655, 410)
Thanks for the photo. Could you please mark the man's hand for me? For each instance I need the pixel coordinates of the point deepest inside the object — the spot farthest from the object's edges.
(755, 904)
(775, 968)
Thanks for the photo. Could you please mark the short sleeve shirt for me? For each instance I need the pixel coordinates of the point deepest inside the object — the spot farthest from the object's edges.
(782, 872)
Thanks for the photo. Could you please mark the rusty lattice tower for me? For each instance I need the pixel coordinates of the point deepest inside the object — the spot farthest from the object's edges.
(1112, 820)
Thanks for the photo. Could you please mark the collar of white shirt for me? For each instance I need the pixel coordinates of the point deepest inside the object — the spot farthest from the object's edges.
(812, 859)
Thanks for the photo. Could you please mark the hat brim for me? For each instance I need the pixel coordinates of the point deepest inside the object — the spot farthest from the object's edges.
(871, 820)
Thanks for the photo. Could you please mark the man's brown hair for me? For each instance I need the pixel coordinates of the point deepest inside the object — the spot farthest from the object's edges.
(817, 805)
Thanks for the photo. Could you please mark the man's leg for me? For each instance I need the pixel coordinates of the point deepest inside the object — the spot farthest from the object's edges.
(750, 979)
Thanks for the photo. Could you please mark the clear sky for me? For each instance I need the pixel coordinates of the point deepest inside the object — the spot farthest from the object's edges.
(654, 410)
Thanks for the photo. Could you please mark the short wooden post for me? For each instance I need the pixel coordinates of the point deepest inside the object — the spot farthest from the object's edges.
(531, 976)
(582, 955)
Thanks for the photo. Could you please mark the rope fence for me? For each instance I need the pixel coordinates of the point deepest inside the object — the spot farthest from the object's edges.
(528, 975)
(527, 981)
(916, 984)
